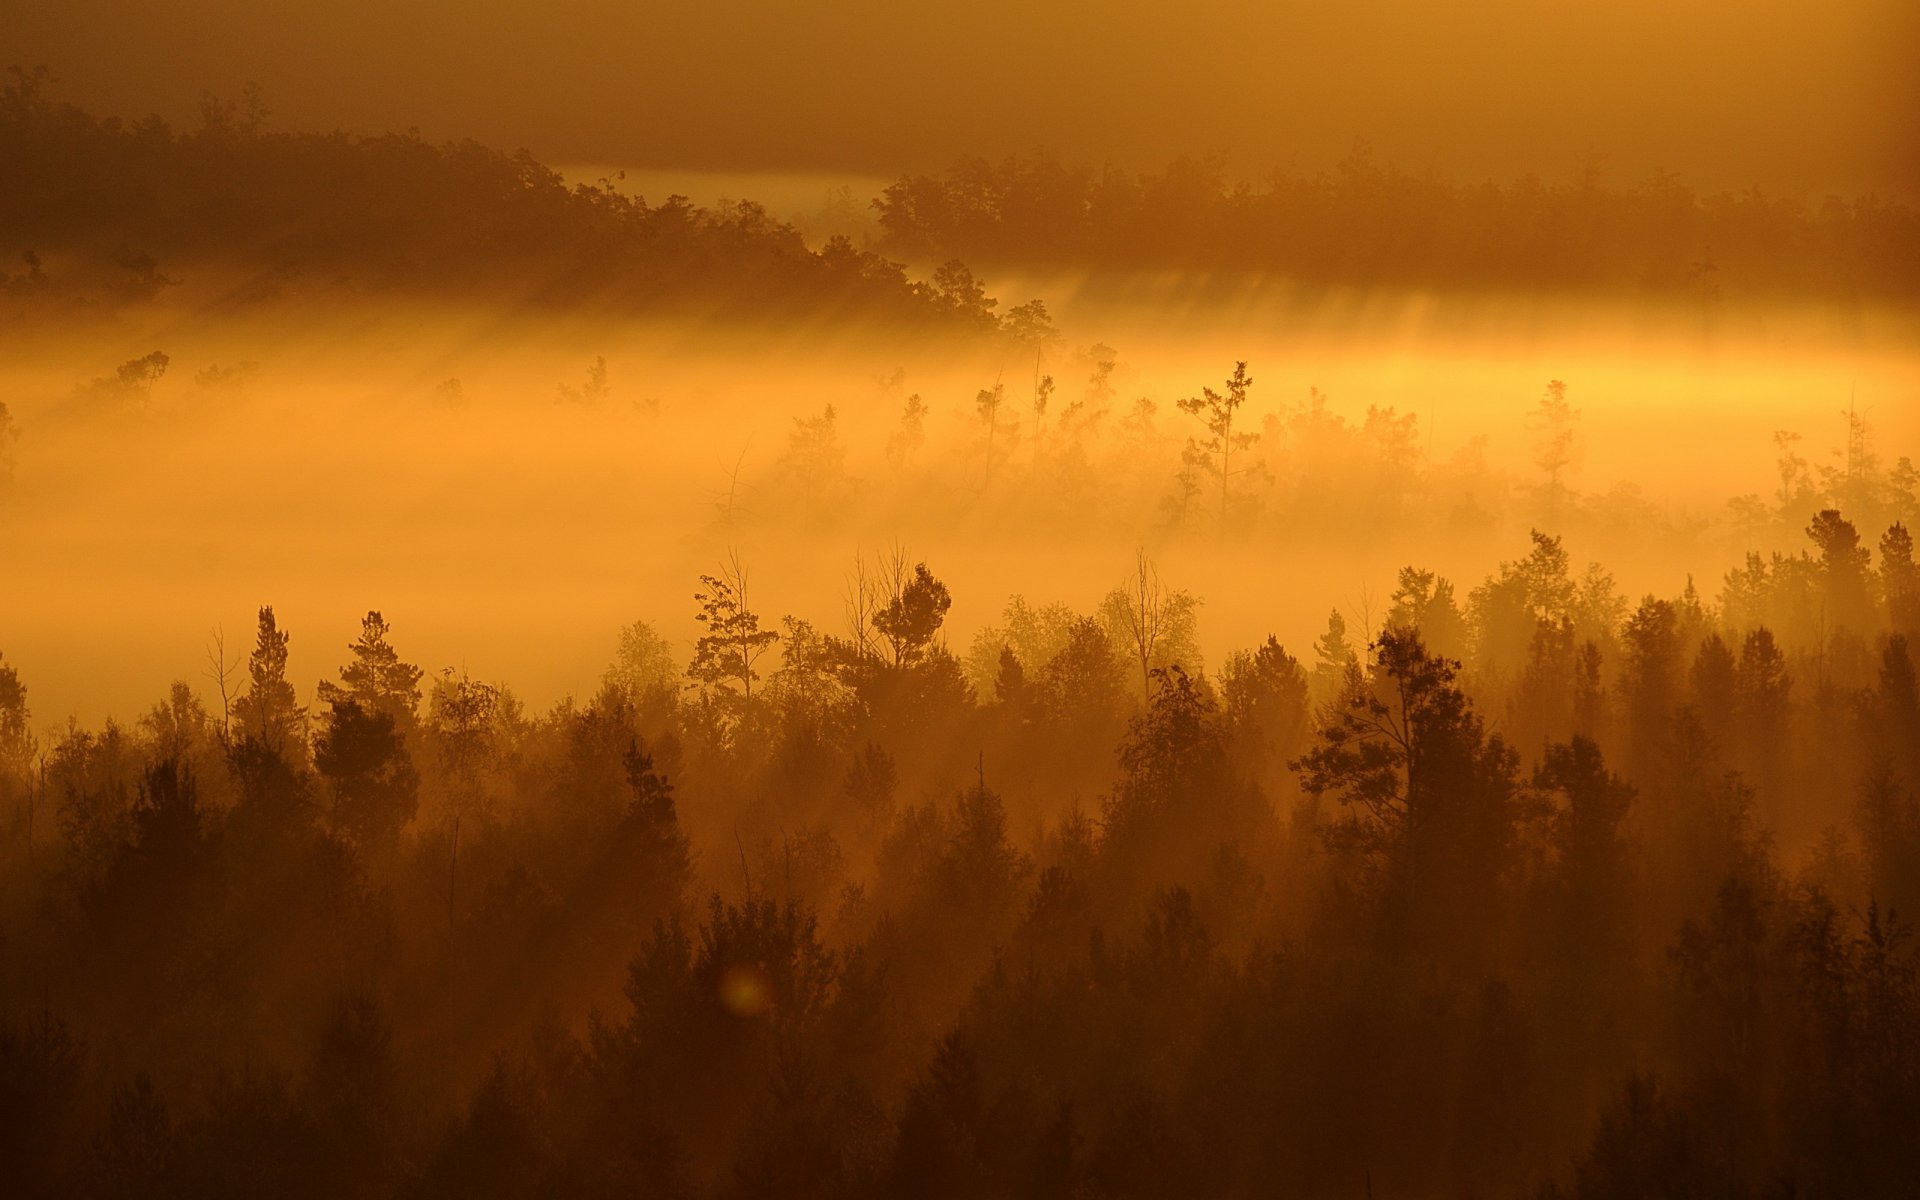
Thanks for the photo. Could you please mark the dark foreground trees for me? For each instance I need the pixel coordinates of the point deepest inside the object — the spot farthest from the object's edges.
(816, 919)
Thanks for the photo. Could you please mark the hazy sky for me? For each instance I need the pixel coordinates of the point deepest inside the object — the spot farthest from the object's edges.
(1799, 95)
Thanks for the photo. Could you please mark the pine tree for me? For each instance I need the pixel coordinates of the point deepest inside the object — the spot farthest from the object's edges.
(724, 657)
(377, 679)
(1336, 660)
(270, 712)
(1900, 580)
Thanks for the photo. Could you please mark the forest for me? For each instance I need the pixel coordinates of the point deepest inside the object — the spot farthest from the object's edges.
(105, 213)
(1530, 889)
(1371, 222)
(1039, 679)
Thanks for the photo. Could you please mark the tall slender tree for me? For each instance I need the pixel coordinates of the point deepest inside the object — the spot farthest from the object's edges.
(725, 656)
(1216, 411)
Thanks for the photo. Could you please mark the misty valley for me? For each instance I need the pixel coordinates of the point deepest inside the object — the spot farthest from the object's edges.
(1041, 680)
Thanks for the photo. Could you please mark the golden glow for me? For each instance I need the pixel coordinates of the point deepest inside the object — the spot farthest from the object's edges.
(744, 991)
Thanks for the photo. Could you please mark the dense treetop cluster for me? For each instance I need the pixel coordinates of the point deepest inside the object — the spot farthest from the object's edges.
(99, 212)
(1366, 223)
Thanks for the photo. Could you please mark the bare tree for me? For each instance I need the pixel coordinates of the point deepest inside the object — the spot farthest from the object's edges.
(221, 672)
(861, 599)
(1149, 620)
(1145, 613)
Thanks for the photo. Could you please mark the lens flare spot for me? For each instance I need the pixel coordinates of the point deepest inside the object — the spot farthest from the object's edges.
(744, 991)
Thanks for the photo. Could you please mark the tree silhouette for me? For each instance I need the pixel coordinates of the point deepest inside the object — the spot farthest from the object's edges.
(1555, 452)
(269, 712)
(1216, 412)
(1900, 580)
(377, 679)
(987, 404)
(1431, 803)
(375, 786)
(912, 615)
(724, 656)
(1154, 624)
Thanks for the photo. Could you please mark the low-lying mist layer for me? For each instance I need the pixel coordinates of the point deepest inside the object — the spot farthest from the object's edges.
(509, 475)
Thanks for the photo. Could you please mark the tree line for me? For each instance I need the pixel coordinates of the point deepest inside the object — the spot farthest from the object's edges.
(1521, 888)
(100, 212)
(1368, 223)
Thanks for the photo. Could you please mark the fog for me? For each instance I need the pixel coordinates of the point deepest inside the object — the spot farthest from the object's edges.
(794, 644)
(517, 525)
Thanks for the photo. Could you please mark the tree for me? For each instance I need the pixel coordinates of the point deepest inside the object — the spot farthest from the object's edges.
(377, 679)
(1843, 570)
(130, 386)
(643, 666)
(1216, 412)
(1179, 738)
(361, 755)
(1082, 684)
(987, 403)
(1900, 580)
(1649, 680)
(1796, 479)
(1762, 706)
(1334, 660)
(1713, 685)
(1589, 691)
(1430, 799)
(959, 294)
(1592, 854)
(870, 784)
(1154, 625)
(815, 458)
(594, 392)
(724, 657)
(462, 715)
(1424, 601)
(1176, 801)
(16, 736)
(1028, 325)
(912, 616)
(269, 713)
(905, 442)
(1042, 394)
(1509, 608)
(176, 726)
(1263, 694)
(1554, 450)
(653, 824)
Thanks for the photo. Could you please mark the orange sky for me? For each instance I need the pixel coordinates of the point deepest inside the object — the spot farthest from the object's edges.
(1801, 96)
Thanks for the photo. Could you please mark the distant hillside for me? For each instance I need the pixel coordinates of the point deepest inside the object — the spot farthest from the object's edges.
(101, 211)
(1367, 223)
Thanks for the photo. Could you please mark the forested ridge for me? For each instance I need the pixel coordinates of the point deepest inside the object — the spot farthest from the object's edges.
(1520, 888)
(1511, 880)
(99, 212)
(103, 212)
(1371, 223)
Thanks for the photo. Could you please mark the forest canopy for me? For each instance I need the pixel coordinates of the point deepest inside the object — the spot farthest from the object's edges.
(1368, 222)
(1527, 889)
(105, 211)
